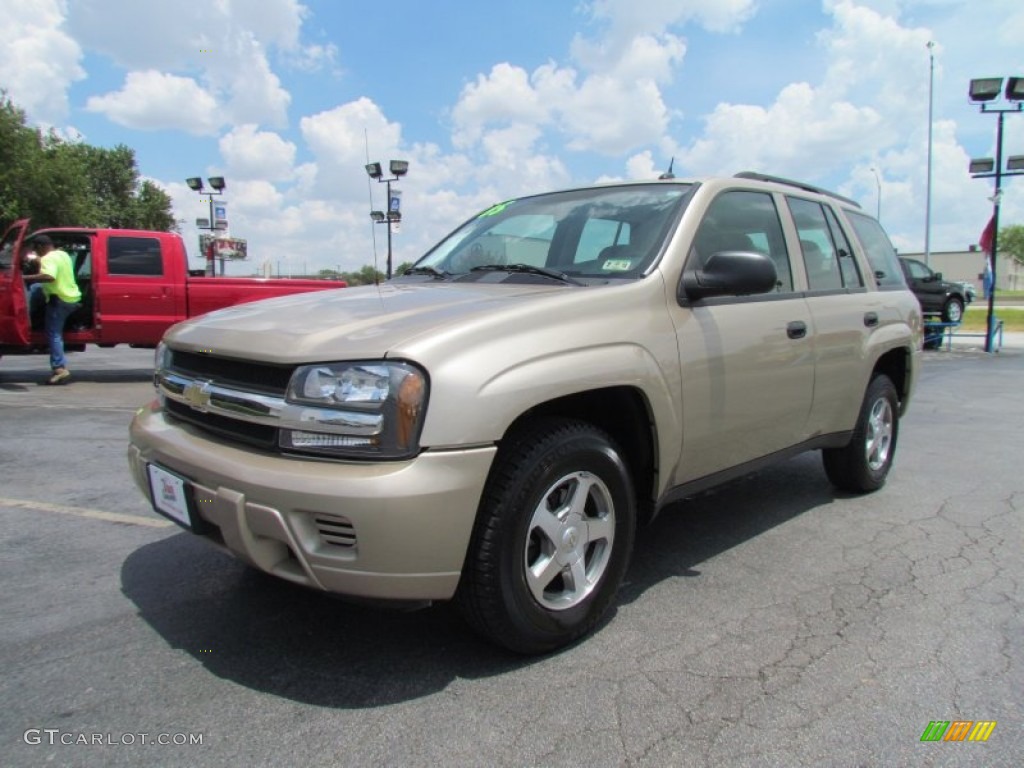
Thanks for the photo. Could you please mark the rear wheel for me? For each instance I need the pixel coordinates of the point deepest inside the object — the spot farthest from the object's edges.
(864, 464)
(552, 540)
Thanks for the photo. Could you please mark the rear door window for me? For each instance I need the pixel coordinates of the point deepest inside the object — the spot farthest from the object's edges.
(828, 259)
(134, 256)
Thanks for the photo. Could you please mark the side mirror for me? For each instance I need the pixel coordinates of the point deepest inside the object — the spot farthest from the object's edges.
(936, 275)
(730, 273)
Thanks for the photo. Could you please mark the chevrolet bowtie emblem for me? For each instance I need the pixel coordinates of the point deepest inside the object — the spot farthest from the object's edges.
(197, 395)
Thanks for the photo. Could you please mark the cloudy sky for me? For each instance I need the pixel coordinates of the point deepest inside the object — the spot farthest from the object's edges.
(492, 100)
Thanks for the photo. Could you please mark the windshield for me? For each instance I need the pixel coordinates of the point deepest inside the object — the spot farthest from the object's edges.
(605, 232)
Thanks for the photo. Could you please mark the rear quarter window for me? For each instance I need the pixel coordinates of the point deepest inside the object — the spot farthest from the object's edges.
(881, 255)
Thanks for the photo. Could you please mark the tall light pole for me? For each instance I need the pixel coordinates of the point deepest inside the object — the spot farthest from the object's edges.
(214, 223)
(928, 189)
(983, 91)
(878, 184)
(393, 215)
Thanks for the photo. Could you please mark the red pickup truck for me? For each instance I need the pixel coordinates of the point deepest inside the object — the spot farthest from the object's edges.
(135, 285)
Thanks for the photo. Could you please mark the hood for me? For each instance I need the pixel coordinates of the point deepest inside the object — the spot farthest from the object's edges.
(364, 322)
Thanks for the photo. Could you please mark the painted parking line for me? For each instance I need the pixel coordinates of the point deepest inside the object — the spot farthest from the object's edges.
(11, 402)
(92, 514)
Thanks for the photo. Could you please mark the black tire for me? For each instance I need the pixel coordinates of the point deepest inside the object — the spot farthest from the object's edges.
(933, 336)
(863, 465)
(578, 551)
(953, 310)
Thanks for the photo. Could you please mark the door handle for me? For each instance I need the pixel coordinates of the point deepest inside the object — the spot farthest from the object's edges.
(796, 329)
(870, 319)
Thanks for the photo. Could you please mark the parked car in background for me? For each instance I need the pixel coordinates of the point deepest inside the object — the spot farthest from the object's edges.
(135, 285)
(938, 297)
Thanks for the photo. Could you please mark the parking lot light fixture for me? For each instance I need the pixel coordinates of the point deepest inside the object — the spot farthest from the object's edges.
(985, 89)
(981, 165)
(984, 92)
(1015, 89)
(398, 168)
(217, 186)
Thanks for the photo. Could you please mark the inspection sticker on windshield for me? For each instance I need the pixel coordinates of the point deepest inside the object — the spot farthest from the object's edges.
(617, 265)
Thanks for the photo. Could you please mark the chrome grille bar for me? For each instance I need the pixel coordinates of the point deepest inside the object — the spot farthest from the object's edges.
(205, 396)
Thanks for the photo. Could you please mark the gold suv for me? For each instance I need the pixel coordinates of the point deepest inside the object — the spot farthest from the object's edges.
(494, 425)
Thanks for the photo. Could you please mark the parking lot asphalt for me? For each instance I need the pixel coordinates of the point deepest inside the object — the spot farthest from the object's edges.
(770, 622)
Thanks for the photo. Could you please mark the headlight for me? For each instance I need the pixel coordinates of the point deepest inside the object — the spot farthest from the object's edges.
(356, 409)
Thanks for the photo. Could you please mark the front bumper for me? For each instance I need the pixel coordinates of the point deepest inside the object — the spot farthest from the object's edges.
(390, 530)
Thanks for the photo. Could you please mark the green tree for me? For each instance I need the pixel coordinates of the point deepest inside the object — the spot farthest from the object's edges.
(152, 209)
(20, 162)
(56, 182)
(365, 276)
(401, 268)
(1011, 241)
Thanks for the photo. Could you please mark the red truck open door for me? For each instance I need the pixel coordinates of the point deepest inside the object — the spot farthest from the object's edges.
(14, 322)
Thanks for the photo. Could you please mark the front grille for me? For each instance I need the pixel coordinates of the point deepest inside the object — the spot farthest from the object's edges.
(335, 530)
(259, 435)
(240, 374)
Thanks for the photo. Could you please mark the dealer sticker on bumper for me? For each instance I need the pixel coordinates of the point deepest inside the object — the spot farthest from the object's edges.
(169, 495)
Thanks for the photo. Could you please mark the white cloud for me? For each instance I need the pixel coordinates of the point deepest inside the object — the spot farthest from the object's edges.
(313, 58)
(271, 22)
(342, 134)
(224, 42)
(504, 96)
(629, 18)
(38, 59)
(251, 91)
(874, 58)
(605, 113)
(165, 35)
(253, 154)
(151, 100)
(645, 57)
(614, 116)
(803, 133)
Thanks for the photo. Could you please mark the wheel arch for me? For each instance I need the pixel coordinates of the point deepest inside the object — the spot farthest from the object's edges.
(896, 365)
(624, 413)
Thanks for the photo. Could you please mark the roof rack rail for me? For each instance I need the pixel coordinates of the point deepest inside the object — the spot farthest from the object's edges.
(798, 184)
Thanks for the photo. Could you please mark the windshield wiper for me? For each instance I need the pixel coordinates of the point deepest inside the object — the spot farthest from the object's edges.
(527, 269)
(428, 269)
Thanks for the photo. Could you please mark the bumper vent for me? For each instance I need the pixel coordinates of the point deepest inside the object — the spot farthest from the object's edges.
(335, 531)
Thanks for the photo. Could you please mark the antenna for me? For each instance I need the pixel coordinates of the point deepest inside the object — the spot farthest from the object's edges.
(369, 192)
(668, 174)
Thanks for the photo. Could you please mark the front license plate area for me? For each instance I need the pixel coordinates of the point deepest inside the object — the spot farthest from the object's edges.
(171, 496)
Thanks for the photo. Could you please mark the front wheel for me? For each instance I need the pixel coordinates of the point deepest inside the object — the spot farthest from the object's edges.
(864, 463)
(953, 310)
(552, 540)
